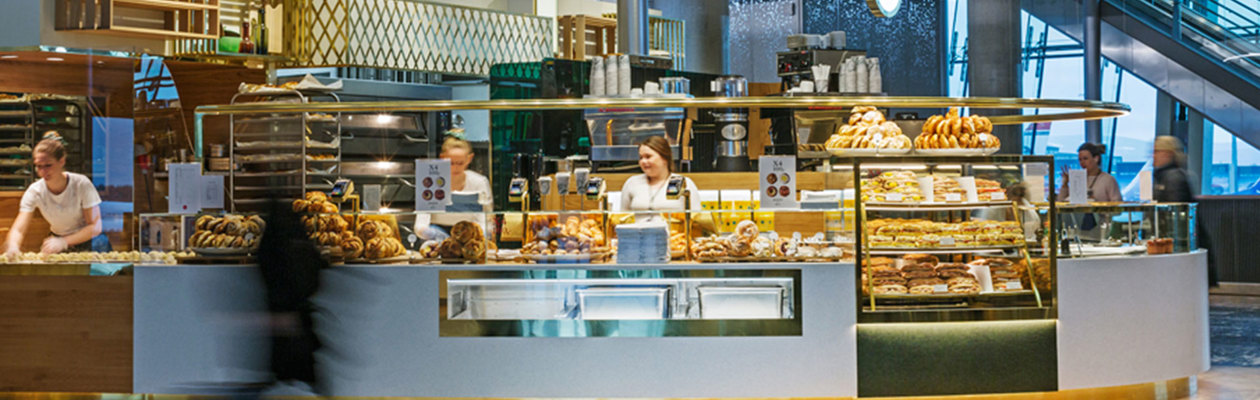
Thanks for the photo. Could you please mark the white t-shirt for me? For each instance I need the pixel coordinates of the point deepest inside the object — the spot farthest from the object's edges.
(637, 195)
(473, 183)
(64, 212)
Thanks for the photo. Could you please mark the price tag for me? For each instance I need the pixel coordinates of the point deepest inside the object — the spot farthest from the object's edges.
(894, 197)
(940, 288)
(997, 196)
(249, 237)
(1014, 285)
(947, 241)
(953, 197)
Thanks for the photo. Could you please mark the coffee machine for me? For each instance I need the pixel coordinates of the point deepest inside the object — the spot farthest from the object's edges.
(731, 125)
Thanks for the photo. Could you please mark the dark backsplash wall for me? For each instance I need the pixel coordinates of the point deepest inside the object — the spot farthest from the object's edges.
(909, 45)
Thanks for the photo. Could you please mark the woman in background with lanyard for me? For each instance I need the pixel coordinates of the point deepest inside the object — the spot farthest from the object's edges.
(1101, 187)
(646, 191)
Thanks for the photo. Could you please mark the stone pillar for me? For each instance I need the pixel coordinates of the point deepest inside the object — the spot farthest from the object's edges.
(993, 51)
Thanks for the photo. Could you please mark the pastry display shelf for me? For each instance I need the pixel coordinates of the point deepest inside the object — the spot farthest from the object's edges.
(946, 206)
(272, 161)
(939, 250)
(952, 296)
(266, 174)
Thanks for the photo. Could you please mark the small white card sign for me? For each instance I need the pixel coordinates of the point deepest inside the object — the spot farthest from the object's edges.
(185, 188)
(778, 182)
(1145, 189)
(433, 184)
(1035, 179)
(927, 189)
(968, 185)
(1078, 187)
(371, 197)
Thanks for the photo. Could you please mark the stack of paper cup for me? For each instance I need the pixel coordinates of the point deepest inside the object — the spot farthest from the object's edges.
(597, 77)
(863, 80)
(623, 75)
(876, 80)
(849, 84)
(610, 76)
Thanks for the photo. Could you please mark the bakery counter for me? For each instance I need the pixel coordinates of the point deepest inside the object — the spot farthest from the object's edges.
(400, 330)
(1127, 320)
(389, 330)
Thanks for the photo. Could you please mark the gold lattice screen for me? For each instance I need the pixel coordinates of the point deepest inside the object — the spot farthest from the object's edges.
(411, 35)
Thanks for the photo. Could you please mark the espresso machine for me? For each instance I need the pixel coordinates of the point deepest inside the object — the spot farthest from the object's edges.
(731, 125)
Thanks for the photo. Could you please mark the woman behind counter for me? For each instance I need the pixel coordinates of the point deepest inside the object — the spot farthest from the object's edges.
(646, 191)
(1102, 187)
(67, 200)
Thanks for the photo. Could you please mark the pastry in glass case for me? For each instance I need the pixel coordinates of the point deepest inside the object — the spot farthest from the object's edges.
(467, 243)
(868, 129)
(230, 233)
(892, 187)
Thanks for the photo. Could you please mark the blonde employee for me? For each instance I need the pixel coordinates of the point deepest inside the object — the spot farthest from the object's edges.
(67, 200)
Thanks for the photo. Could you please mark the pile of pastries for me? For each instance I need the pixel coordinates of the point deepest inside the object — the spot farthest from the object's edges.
(575, 236)
(910, 233)
(892, 187)
(159, 257)
(917, 274)
(868, 129)
(467, 243)
(951, 131)
(748, 241)
(376, 238)
(230, 231)
(678, 243)
(1040, 271)
(324, 225)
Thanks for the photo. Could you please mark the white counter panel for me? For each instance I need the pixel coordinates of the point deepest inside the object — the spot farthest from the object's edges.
(1129, 320)
(381, 334)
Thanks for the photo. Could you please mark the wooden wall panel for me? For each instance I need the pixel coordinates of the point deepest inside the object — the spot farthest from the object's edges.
(38, 229)
(65, 334)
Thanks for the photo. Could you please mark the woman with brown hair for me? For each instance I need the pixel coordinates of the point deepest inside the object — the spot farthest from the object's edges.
(647, 191)
(67, 200)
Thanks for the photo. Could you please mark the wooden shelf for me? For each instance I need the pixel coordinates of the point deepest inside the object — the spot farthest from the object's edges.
(166, 19)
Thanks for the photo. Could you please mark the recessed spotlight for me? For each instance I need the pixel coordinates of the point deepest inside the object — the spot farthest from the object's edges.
(9, 56)
(55, 59)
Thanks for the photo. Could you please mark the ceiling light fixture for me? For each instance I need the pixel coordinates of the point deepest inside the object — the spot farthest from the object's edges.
(9, 56)
(55, 59)
(884, 8)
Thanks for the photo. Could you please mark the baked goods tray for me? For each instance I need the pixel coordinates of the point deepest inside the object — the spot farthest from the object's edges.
(403, 259)
(214, 251)
(943, 296)
(938, 250)
(956, 152)
(566, 258)
(867, 152)
(765, 259)
(923, 206)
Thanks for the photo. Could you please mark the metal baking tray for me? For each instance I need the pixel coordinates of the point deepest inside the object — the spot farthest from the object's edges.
(741, 302)
(623, 303)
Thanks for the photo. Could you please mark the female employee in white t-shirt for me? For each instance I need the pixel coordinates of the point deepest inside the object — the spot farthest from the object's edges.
(67, 200)
(646, 192)
(463, 181)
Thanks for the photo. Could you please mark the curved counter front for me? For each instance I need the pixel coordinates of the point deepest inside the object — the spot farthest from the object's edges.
(1121, 321)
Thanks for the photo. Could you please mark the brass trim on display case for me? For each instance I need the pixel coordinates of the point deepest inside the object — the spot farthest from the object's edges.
(1081, 109)
(620, 328)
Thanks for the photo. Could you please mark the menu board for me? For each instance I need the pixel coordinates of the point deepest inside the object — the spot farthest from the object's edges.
(778, 182)
(433, 184)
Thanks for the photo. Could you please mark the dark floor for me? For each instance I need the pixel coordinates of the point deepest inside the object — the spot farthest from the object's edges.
(1235, 331)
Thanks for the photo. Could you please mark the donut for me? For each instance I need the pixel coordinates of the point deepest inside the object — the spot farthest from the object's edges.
(747, 231)
(873, 117)
(929, 126)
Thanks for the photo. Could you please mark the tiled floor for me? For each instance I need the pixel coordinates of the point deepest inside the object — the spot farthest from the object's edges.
(1235, 327)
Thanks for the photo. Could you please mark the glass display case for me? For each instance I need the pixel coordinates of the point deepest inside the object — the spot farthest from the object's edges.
(1096, 230)
(945, 238)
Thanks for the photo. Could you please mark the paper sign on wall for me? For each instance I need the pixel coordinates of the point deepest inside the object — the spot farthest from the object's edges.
(433, 185)
(1078, 187)
(1145, 189)
(185, 188)
(778, 182)
(211, 192)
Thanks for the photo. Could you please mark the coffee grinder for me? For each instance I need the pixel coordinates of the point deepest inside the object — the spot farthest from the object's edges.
(732, 125)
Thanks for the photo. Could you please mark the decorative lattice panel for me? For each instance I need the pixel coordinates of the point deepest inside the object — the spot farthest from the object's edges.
(411, 35)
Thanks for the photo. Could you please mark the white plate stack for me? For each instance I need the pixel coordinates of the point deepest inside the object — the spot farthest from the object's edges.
(643, 243)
